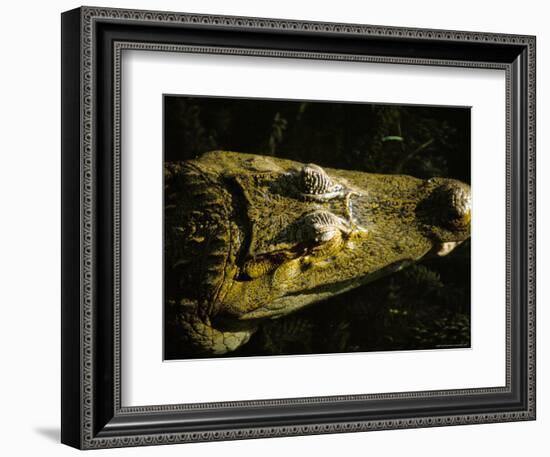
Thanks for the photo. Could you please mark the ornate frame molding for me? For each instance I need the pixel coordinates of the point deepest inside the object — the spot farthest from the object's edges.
(85, 22)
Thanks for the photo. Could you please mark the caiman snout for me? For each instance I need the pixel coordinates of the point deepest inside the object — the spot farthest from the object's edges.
(447, 210)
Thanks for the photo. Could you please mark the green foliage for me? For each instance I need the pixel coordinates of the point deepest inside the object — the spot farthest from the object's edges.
(277, 133)
(291, 335)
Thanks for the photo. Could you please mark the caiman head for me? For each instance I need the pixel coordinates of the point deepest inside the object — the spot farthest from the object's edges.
(252, 237)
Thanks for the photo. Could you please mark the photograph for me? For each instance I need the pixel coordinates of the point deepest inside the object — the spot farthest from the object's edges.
(302, 227)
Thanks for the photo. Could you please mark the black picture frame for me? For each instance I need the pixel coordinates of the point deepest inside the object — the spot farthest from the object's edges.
(92, 414)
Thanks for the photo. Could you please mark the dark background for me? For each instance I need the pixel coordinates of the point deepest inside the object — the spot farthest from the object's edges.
(425, 306)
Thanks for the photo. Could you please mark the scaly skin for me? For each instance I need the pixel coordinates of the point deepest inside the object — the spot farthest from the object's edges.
(250, 238)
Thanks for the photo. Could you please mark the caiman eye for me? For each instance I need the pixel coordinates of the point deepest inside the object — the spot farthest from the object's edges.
(321, 227)
(319, 234)
(316, 183)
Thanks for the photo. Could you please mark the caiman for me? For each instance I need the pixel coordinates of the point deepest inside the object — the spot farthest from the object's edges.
(251, 237)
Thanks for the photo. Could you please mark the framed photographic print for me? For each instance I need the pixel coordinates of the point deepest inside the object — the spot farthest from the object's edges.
(274, 228)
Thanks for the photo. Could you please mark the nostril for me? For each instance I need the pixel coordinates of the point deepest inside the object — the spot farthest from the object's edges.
(459, 200)
(450, 205)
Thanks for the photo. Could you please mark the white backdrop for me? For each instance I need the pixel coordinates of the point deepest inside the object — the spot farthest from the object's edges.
(147, 75)
(30, 244)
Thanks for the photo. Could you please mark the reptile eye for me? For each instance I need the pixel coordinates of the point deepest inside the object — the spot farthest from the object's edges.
(322, 226)
(317, 183)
